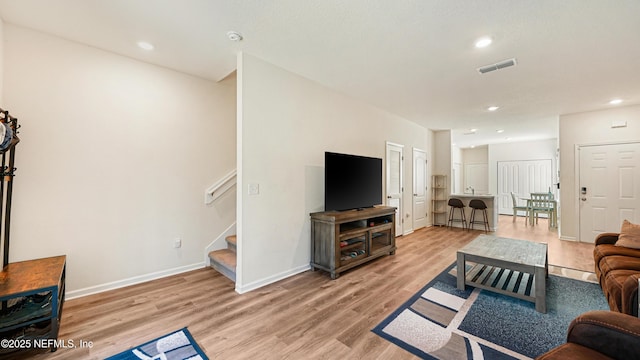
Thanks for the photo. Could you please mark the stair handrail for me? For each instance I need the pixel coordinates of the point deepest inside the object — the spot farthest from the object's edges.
(216, 190)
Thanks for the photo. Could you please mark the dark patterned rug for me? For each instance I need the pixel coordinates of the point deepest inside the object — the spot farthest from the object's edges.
(178, 345)
(442, 322)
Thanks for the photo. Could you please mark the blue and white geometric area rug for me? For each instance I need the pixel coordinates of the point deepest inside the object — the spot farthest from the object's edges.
(178, 345)
(442, 322)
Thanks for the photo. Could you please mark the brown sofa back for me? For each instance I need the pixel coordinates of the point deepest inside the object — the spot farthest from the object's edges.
(618, 270)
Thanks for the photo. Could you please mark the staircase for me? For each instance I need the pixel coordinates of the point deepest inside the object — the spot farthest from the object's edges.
(224, 261)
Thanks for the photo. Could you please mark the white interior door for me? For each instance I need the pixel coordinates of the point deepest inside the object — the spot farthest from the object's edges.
(609, 186)
(394, 160)
(508, 181)
(522, 177)
(419, 188)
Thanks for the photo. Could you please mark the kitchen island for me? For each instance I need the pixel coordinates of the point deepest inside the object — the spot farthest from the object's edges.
(492, 209)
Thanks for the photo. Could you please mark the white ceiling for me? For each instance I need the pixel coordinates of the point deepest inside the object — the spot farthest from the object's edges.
(414, 58)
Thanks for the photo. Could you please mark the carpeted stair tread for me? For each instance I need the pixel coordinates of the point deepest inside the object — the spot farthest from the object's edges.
(224, 261)
(232, 242)
(224, 257)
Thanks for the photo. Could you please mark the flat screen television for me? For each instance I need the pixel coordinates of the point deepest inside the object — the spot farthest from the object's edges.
(351, 181)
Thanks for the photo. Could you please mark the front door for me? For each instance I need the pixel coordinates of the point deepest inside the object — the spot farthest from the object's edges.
(394, 160)
(609, 188)
(419, 189)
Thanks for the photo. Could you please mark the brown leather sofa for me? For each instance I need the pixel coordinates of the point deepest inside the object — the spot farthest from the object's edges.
(599, 335)
(618, 270)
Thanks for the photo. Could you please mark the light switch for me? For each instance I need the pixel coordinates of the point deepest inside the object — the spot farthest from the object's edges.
(253, 189)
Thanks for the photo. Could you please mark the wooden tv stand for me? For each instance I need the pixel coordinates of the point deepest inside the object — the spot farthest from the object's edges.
(341, 240)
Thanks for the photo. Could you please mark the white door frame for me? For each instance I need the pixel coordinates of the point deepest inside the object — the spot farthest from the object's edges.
(395, 198)
(456, 179)
(419, 213)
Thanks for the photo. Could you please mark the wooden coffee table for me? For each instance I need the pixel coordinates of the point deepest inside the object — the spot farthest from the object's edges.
(517, 268)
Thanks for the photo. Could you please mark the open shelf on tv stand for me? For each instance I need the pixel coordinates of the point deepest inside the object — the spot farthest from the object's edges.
(341, 240)
(32, 294)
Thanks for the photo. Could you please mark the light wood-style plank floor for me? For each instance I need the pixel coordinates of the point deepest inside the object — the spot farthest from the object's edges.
(307, 316)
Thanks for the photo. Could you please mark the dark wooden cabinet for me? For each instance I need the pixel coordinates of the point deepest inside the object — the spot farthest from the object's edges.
(341, 240)
(32, 295)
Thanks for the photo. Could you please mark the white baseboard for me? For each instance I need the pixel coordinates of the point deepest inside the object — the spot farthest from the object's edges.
(568, 238)
(271, 279)
(131, 281)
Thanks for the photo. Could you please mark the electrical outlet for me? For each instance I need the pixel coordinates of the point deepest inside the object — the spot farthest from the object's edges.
(177, 243)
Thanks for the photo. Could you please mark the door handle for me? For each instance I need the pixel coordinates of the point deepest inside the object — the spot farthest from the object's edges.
(583, 199)
(388, 196)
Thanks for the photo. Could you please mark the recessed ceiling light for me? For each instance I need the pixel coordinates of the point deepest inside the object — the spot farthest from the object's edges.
(145, 45)
(615, 101)
(483, 42)
(500, 131)
(472, 146)
(493, 108)
(234, 36)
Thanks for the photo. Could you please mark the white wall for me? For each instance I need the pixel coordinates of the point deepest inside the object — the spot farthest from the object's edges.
(442, 152)
(583, 129)
(2, 105)
(286, 123)
(474, 170)
(114, 158)
(1, 67)
(477, 155)
(456, 170)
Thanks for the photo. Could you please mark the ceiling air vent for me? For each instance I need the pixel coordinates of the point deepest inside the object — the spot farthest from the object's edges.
(500, 65)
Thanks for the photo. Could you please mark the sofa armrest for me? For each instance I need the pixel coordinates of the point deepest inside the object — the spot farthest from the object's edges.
(610, 333)
(607, 238)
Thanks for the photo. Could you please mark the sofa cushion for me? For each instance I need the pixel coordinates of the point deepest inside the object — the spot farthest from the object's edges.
(618, 268)
(619, 262)
(629, 235)
(602, 252)
(612, 286)
(607, 250)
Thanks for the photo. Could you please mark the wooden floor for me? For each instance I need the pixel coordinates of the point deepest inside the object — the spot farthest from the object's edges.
(569, 254)
(307, 316)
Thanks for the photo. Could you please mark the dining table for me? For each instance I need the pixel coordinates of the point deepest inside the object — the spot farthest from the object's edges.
(542, 200)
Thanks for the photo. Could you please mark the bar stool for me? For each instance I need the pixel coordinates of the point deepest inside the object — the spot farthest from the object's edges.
(477, 204)
(456, 204)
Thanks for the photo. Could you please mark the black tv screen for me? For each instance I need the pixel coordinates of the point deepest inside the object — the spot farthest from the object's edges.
(351, 182)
